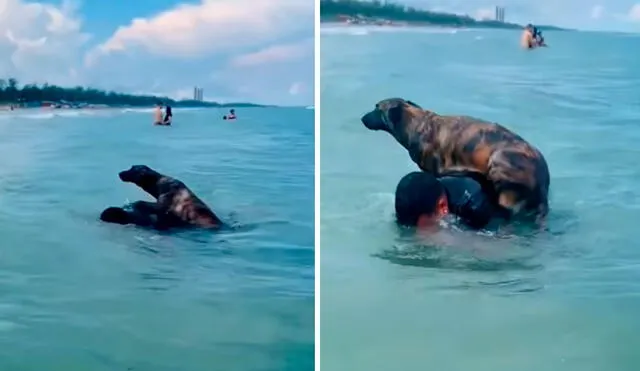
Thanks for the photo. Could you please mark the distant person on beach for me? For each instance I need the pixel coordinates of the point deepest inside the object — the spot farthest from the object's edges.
(230, 116)
(168, 115)
(157, 114)
(422, 200)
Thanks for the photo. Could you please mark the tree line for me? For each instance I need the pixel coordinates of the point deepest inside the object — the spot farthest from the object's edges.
(330, 9)
(12, 93)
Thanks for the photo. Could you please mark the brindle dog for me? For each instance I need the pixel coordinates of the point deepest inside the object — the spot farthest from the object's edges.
(517, 173)
(176, 205)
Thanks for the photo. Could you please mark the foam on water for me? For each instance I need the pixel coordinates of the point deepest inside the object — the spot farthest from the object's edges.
(364, 30)
(562, 299)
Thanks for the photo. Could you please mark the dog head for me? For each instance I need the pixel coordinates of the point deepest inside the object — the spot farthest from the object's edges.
(142, 176)
(390, 114)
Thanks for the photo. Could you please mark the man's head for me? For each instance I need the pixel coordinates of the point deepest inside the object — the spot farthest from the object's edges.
(390, 114)
(232, 111)
(119, 215)
(142, 176)
(115, 215)
(421, 200)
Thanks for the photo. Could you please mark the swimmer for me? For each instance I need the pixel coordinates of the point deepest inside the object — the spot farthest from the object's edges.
(422, 200)
(231, 115)
(157, 114)
(527, 40)
(168, 116)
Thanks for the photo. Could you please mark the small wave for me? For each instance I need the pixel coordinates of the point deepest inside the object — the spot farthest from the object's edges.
(359, 33)
(366, 30)
(137, 110)
(37, 116)
(33, 114)
(75, 113)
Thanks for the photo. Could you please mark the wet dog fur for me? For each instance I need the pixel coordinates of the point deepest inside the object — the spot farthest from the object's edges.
(176, 205)
(462, 145)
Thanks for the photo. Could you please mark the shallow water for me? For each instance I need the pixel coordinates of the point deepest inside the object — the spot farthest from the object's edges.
(78, 294)
(563, 300)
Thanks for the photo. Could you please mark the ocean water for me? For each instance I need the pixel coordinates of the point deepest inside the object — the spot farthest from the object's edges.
(78, 294)
(566, 299)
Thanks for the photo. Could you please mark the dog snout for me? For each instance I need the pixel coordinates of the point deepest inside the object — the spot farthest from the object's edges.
(372, 120)
(123, 176)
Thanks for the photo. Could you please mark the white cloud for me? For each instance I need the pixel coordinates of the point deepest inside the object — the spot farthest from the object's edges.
(634, 13)
(275, 54)
(597, 11)
(211, 26)
(184, 93)
(296, 88)
(485, 14)
(39, 42)
(259, 48)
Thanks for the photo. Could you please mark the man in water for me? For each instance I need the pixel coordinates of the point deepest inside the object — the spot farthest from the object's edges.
(531, 37)
(157, 114)
(231, 116)
(527, 40)
(422, 200)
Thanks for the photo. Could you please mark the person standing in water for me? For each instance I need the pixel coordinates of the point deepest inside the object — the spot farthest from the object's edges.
(537, 35)
(532, 37)
(157, 114)
(168, 115)
(230, 116)
(527, 40)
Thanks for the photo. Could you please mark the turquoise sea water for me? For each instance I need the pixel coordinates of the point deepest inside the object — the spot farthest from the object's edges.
(564, 300)
(78, 294)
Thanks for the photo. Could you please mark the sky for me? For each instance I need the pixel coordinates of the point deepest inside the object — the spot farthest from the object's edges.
(604, 15)
(257, 51)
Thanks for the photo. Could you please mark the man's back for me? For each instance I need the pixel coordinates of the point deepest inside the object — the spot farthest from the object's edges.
(157, 115)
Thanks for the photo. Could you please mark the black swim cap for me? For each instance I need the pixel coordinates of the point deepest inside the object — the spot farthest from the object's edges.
(417, 194)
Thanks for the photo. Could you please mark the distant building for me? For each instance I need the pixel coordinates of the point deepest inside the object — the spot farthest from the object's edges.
(198, 94)
(500, 14)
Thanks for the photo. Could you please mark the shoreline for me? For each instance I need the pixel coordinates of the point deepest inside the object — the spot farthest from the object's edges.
(7, 106)
(404, 24)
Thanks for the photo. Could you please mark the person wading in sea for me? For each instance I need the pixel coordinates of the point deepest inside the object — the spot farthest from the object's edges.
(157, 115)
(168, 115)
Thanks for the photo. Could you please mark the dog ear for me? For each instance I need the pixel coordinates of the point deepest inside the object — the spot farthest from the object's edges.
(395, 114)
